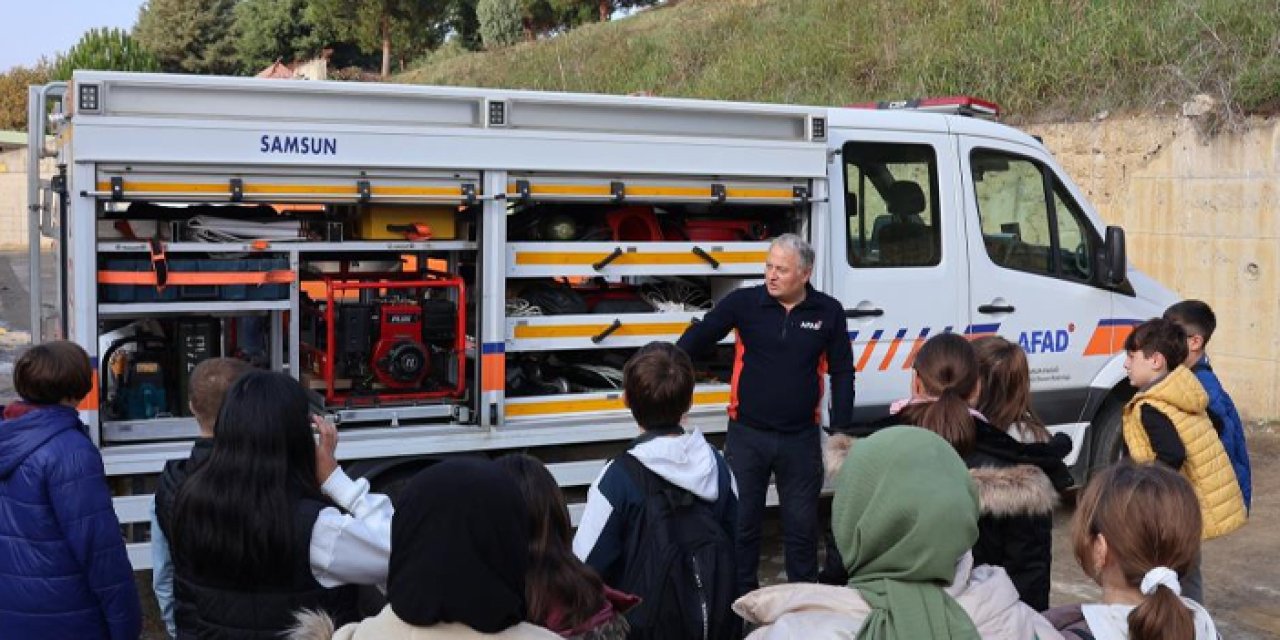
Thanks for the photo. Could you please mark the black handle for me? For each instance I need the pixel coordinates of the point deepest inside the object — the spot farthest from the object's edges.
(608, 331)
(863, 313)
(697, 251)
(617, 253)
(996, 308)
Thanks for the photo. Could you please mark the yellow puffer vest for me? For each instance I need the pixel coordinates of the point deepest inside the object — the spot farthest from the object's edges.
(1180, 397)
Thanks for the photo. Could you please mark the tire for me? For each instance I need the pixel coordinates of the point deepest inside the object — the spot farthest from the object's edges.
(1106, 446)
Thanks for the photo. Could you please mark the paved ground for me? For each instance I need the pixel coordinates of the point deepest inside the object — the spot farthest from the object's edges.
(1242, 574)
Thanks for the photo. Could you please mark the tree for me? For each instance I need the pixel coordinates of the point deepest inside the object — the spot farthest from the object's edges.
(190, 36)
(501, 22)
(415, 26)
(461, 23)
(106, 49)
(13, 93)
(571, 13)
(270, 30)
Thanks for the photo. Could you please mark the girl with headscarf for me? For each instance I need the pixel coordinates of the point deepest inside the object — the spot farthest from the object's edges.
(459, 553)
(904, 516)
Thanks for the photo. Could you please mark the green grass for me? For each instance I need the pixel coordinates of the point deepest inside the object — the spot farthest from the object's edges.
(1040, 59)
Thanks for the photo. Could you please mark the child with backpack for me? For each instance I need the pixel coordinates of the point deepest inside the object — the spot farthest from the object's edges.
(1198, 320)
(1136, 529)
(561, 593)
(659, 521)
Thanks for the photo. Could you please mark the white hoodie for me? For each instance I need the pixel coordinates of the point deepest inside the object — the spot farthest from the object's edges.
(686, 461)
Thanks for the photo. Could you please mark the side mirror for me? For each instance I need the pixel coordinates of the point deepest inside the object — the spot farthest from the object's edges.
(1114, 252)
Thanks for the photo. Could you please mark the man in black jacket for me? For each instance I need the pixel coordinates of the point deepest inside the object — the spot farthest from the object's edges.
(788, 336)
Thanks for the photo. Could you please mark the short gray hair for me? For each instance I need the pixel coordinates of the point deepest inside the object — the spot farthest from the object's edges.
(797, 245)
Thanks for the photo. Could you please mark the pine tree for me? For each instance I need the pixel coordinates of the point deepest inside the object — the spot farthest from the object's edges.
(501, 22)
(105, 49)
(190, 36)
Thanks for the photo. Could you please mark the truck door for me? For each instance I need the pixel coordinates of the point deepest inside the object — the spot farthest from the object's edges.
(1034, 270)
(897, 256)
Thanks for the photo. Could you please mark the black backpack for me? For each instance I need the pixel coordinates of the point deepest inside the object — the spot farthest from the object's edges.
(681, 562)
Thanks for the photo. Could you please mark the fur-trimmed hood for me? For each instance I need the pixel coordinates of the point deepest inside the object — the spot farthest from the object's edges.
(1017, 490)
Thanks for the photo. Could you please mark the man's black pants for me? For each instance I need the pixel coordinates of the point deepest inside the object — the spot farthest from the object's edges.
(795, 461)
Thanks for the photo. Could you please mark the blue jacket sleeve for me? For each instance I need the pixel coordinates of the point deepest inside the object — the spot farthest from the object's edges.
(840, 368)
(700, 337)
(162, 573)
(601, 538)
(77, 490)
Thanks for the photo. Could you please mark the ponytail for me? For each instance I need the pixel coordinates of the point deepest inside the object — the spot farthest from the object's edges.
(948, 416)
(1162, 616)
(947, 368)
(1150, 518)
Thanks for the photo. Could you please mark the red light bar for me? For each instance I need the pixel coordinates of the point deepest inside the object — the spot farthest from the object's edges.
(958, 105)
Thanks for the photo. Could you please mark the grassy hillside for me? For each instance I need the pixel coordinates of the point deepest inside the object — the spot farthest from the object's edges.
(1040, 59)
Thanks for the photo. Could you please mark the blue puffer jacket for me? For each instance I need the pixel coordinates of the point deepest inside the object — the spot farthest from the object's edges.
(63, 568)
(1222, 410)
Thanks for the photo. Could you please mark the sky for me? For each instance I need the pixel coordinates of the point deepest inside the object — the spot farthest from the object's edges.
(33, 28)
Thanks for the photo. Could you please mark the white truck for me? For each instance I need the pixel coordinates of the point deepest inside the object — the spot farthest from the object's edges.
(462, 271)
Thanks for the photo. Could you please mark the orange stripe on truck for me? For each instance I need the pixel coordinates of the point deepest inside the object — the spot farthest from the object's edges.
(1108, 337)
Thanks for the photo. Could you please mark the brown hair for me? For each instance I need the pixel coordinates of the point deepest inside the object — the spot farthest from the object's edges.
(1005, 398)
(208, 387)
(1161, 336)
(658, 382)
(948, 369)
(557, 581)
(1150, 518)
(52, 372)
(1195, 317)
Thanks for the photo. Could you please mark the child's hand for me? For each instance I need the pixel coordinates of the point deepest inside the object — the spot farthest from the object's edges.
(326, 461)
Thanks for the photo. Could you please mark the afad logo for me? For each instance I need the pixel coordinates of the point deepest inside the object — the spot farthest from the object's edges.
(1046, 340)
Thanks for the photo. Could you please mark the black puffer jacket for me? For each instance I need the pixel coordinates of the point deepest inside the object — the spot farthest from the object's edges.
(171, 479)
(1016, 498)
(206, 610)
(1015, 530)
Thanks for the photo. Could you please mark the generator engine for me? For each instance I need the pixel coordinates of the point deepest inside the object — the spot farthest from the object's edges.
(398, 340)
(394, 342)
(400, 359)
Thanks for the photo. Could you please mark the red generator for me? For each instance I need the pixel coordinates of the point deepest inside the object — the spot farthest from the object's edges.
(387, 338)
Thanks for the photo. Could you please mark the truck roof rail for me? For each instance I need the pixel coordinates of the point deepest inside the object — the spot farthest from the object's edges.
(954, 105)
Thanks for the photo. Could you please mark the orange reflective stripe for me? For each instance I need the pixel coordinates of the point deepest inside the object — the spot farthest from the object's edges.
(199, 278)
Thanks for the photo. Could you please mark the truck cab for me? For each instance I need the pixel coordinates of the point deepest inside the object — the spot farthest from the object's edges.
(955, 223)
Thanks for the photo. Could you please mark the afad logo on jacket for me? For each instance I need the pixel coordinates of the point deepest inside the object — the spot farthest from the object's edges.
(815, 325)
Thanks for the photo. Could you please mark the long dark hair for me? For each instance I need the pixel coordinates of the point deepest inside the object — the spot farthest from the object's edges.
(233, 520)
(557, 579)
(1150, 517)
(1005, 398)
(947, 368)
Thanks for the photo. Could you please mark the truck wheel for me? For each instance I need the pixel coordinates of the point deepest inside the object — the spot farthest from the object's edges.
(1105, 442)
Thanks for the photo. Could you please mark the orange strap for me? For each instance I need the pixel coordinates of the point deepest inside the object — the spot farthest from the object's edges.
(414, 232)
(198, 277)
